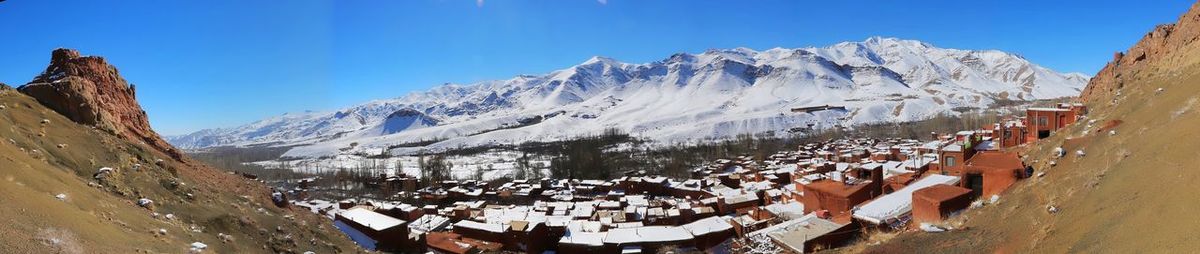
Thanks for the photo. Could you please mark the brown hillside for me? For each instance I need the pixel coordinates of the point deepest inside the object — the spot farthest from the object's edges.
(44, 153)
(1133, 192)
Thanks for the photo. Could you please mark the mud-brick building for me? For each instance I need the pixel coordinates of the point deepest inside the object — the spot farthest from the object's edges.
(1043, 121)
(991, 172)
(953, 156)
(1010, 133)
(837, 197)
(389, 232)
(935, 203)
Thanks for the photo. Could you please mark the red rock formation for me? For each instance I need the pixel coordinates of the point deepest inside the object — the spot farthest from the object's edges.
(1153, 47)
(89, 91)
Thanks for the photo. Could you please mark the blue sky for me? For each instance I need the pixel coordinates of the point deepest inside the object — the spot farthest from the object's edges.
(204, 64)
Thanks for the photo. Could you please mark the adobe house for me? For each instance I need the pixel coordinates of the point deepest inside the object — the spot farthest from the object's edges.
(446, 242)
(647, 239)
(1078, 108)
(896, 182)
(1009, 134)
(528, 237)
(450, 243)
(482, 231)
(405, 212)
(709, 232)
(751, 220)
(991, 172)
(515, 236)
(809, 233)
(386, 230)
(1043, 121)
(730, 204)
(952, 158)
(935, 203)
(837, 197)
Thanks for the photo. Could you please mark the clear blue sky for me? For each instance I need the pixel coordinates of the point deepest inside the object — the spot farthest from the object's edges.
(204, 64)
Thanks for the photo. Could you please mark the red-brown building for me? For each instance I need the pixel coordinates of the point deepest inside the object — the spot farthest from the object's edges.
(1008, 134)
(836, 196)
(1043, 121)
(451, 243)
(935, 203)
(991, 172)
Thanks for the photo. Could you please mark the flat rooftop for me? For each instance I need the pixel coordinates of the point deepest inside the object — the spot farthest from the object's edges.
(375, 221)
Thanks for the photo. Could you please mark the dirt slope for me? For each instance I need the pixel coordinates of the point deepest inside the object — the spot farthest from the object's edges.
(1133, 192)
(44, 153)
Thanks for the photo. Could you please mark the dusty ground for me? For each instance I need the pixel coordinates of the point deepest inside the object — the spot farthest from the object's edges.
(100, 216)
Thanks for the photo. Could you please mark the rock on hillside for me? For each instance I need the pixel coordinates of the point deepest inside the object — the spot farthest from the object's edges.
(89, 91)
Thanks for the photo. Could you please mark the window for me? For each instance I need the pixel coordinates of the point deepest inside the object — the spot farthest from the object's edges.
(950, 161)
(1041, 121)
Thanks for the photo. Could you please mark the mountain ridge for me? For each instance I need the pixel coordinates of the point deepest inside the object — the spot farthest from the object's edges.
(715, 94)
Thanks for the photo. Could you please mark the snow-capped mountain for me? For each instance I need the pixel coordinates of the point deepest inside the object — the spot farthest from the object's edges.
(715, 94)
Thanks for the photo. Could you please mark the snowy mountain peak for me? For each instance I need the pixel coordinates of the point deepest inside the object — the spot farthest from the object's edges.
(714, 94)
(601, 60)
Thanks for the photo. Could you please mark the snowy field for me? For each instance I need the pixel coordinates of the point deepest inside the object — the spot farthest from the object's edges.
(494, 164)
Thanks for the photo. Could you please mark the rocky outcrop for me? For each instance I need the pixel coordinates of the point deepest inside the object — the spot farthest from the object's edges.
(89, 91)
(1153, 47)
(4, 86)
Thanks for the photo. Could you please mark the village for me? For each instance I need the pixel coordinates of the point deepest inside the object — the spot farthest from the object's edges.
(818, 196)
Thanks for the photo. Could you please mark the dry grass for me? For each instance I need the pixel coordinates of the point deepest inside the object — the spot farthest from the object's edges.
(1134, 192)
(99, 216)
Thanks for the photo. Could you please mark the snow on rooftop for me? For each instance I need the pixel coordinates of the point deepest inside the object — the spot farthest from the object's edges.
(650, 234)
(707, 226)
(899, 203)
(1048, 109)
(375, 221)
(429, 222)
(490, 227)
(583, 238)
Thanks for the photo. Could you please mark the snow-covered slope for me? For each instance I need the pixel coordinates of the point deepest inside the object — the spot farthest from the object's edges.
(715, 94)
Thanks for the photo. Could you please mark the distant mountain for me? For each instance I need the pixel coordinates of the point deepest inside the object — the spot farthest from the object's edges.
(715, 94)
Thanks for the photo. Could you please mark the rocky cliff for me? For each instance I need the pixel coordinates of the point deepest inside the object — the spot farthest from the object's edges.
(1153, 47)
(89, 91)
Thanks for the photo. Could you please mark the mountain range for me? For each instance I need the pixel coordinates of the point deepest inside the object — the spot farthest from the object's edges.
(716, 94)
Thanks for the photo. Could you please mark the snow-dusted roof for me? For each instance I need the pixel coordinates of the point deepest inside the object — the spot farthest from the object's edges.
(371, 219)
(1048, 109)
(650, 234)
(898, 203)
(787, 211)
(490, 227)
(707, 225)
(429, 222)
(583, 238)
(794, 233)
